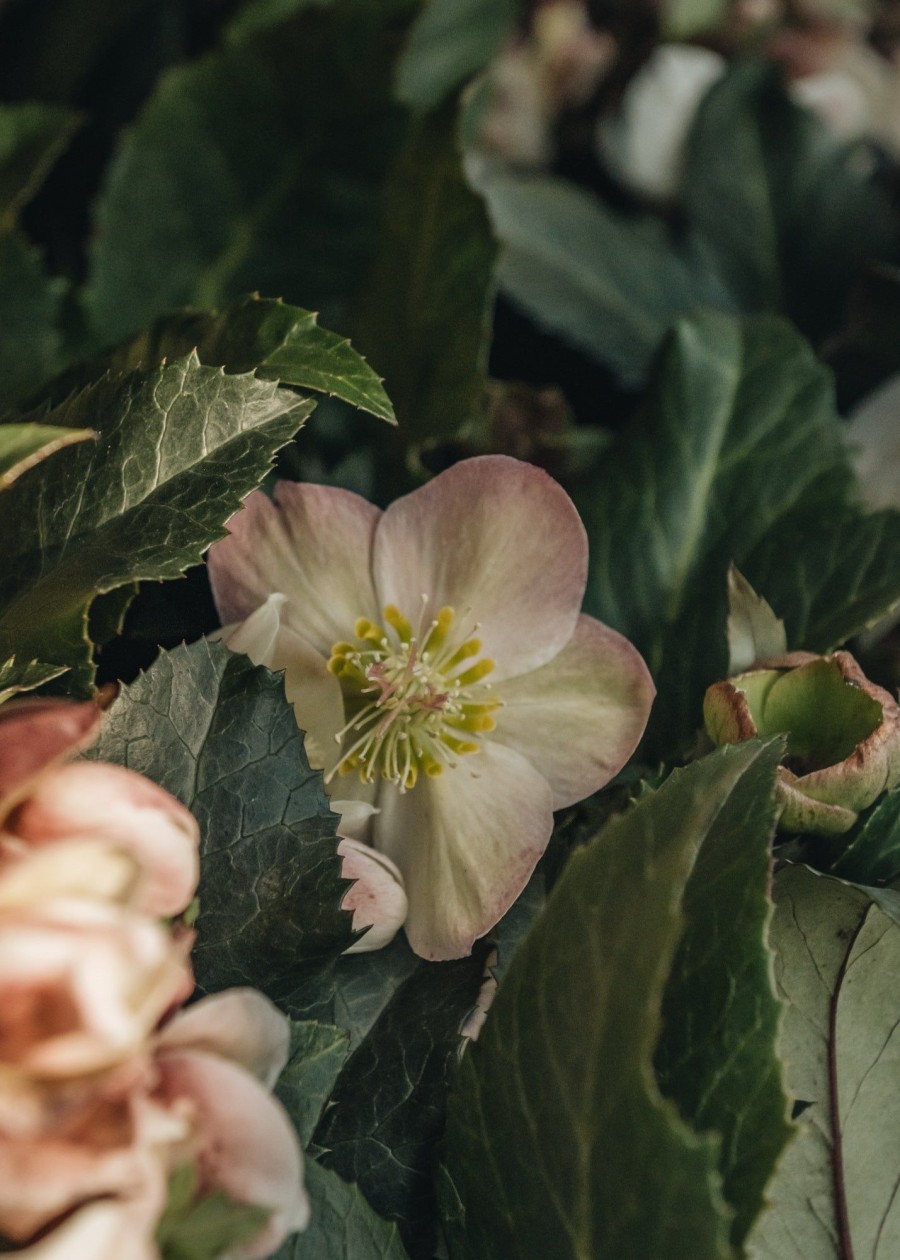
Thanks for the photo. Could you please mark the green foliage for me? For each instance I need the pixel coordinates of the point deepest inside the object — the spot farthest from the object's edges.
(754, 632)
(872, 855)
(343, 1226)
(30, 304)
(452, 40)
(261, 162)
(559, 1144)
(682, 19)
(318, 1052)
(176, 451)
(279, 342)
(719, 1004)
(32, 136)
(423, 314)
(607, 283)
(22, 446)
(203, 1227)
(836, 965)
(218, 733)
(16, 676)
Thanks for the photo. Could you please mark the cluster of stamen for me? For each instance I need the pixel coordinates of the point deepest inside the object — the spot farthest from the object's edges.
(414, 701)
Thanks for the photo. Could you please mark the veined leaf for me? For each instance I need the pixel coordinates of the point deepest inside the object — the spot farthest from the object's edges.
(835, 1194)
(873, 854)
(218, 733)
(559, 1145)
(22, 446)
(176, 451)
(32, 136)
(343, 1226)
(16, 676)
(318, 1052)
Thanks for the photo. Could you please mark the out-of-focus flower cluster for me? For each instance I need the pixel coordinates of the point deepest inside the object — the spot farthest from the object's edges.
(108, 1093)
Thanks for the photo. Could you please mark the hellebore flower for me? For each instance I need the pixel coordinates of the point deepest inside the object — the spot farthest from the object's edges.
(436, 657)
(377, 898)
(843, 734)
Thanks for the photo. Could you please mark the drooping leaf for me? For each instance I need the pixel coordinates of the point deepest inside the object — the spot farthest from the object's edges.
(318, 1052)
(388, 1106)
(16, 676)
(32, 136)
(836, 1192)
(754, 631)
(279, 342)
(559, 1144)
(29, 314)
(873, 854)
(261, 162)
(342, 1226)
(218, 733)
(451, 40)
(737, 450)
(22, 446)
(608, 283)
(423, 314)
(176, 451)
(717, 1056)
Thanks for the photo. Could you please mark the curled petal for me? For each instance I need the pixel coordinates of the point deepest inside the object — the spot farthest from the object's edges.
(498, 541)
(34, 735)
(313, 543)
(97, 801)
(240, 1025)
(466, 844)
(315, 693)
(244, 1142)
(377, 898)
(579, 717)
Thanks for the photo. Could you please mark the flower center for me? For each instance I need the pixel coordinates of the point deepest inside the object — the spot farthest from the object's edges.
(414, 702)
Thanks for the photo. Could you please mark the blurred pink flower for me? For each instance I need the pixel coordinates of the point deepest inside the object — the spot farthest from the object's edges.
(388, 627)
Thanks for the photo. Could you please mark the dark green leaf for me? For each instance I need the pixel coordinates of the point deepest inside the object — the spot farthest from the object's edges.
(32, 136)
(738, 447)
(423, 314)
(218, 733)
(25, 676)
(176, 451)
(318, 1052)
(716, 1058)
(873, 855)
(261, 162)
(387, 1109)
(22, 446)
(452, 40)
(343, 1226)
(559, 1144)
(837, 1191)
(29, 313)
(278, 342)
(608, 283)
(260, 15)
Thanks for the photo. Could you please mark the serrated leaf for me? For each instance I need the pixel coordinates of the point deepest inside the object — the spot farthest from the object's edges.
(423, 313)
(22, 446)
(738, 448)
(873, 854)
(559, 1145)
(387, 1109)
(218, 733)
(450, 41)
(282, 141)
(29, 313)
(607, 283)
(279, 342)
(176, 451)
(318, 1052)
(753, 630)
(16, 676)
(343, 1226)
(837, 959)
(32, 136)
(716, 1058)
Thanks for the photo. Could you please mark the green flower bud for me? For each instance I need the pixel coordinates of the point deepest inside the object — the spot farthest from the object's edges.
(843, 734)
